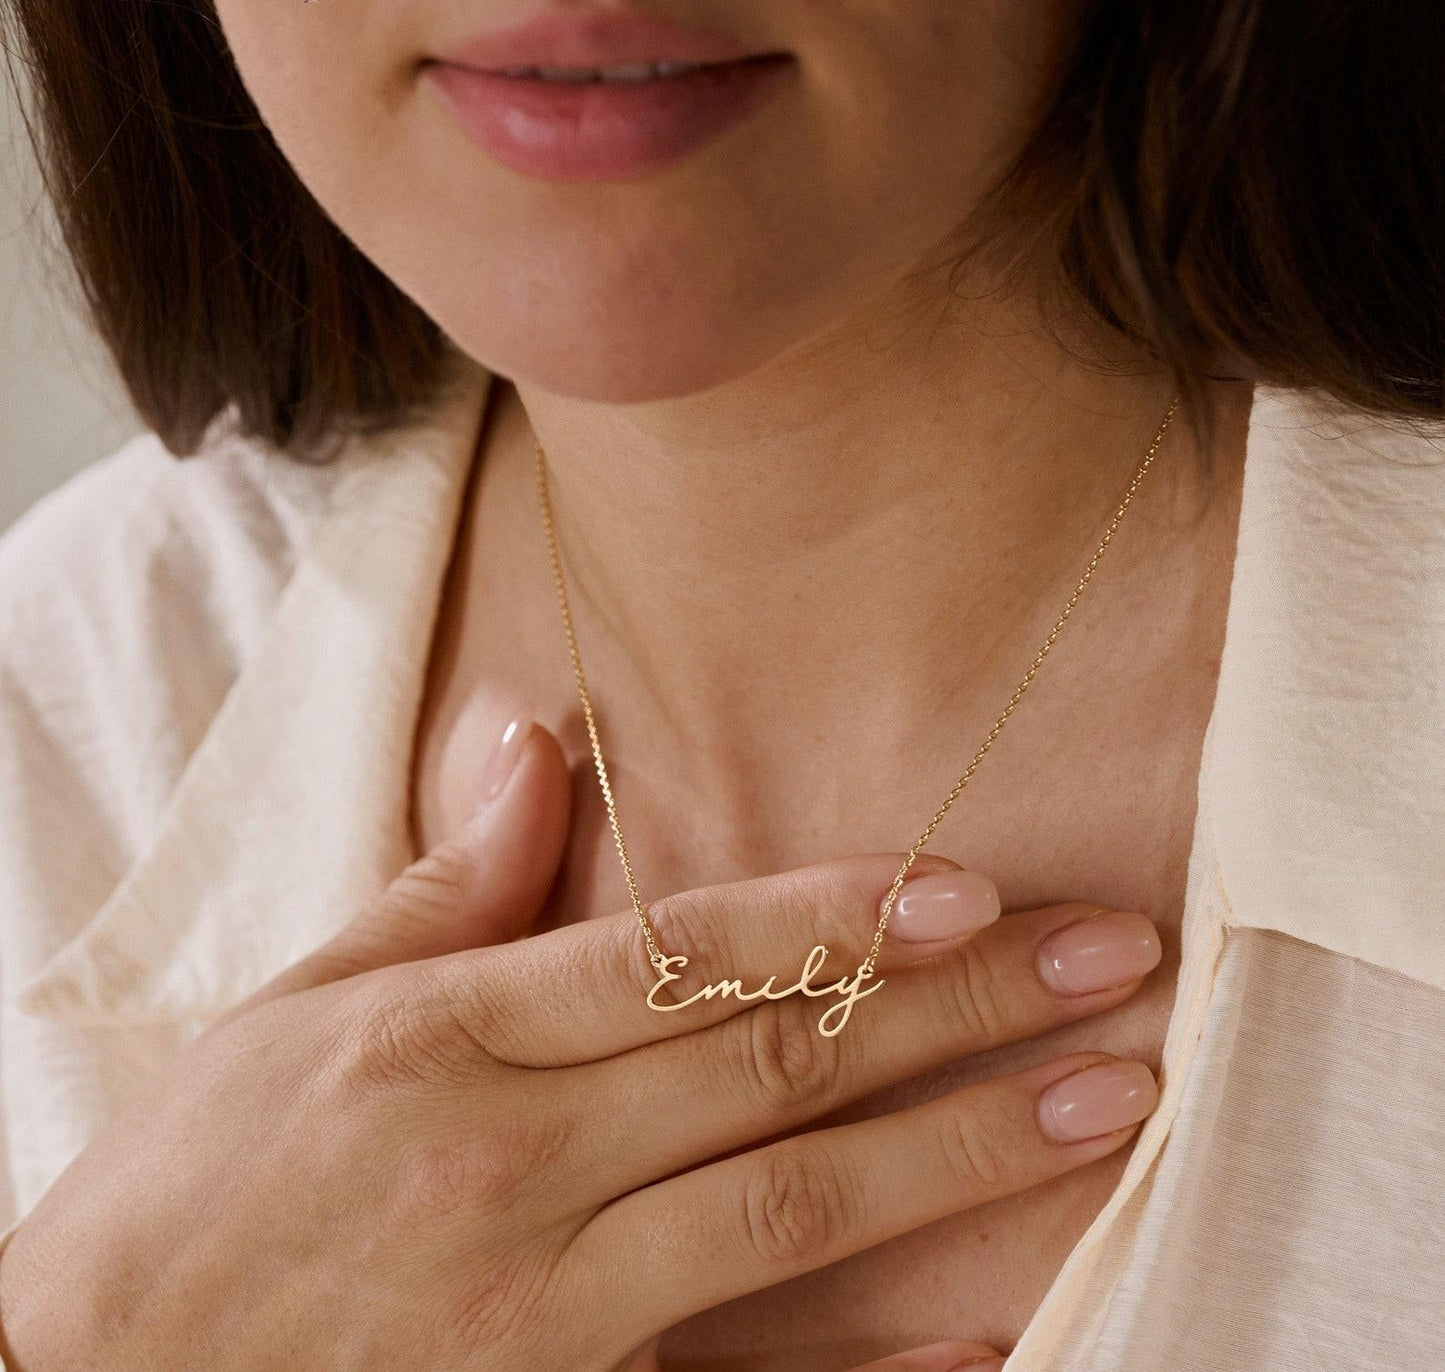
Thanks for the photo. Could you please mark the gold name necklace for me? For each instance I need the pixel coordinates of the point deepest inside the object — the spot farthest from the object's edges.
(850, 989)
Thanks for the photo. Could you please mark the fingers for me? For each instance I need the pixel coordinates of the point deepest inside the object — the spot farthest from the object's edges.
(670, 1104)
(580, 993)
(486, 883)
(954, 1355)
(758, 1218)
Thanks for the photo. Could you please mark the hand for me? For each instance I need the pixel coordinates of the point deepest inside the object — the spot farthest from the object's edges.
(407, 1151)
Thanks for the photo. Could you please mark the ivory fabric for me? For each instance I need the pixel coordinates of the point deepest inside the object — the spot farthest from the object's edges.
(210, 674)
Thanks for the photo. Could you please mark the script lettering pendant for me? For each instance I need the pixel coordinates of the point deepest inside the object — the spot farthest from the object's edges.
(850, 988)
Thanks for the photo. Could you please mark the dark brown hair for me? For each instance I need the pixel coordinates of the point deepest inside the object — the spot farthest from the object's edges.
(1258, 181)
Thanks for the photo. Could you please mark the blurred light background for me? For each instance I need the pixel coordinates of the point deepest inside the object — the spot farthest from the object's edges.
(61, 406)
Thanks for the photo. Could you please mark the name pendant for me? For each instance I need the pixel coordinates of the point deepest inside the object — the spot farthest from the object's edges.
(832, 1020)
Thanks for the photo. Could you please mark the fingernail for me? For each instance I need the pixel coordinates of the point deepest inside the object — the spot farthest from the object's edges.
(1097, 1100)
(942, 905)
(502, 761)
(987, 1365)
(1105, 950)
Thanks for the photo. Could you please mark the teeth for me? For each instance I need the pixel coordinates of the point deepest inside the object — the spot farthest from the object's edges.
(637, 71)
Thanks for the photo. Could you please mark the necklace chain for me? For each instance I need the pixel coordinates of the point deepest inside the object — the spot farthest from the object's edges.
(865, 969)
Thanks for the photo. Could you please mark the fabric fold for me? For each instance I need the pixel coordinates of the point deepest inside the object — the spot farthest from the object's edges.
(292, 811)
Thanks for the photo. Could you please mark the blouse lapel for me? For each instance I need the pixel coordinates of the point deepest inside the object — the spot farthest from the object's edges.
(1325, 789)
(293, 810)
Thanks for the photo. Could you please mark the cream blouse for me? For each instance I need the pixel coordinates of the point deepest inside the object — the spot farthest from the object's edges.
(210, 673)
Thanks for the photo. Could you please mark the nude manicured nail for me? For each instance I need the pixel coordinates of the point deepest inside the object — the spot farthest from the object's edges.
(1095, 954)
(1097, 1100)
(943, 905)
(502, 761)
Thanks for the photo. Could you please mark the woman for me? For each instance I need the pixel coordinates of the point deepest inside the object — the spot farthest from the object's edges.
(830, 361)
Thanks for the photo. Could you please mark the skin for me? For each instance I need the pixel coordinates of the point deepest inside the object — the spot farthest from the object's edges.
(819, 511)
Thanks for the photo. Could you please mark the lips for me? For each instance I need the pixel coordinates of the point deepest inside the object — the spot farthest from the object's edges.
(599, 130)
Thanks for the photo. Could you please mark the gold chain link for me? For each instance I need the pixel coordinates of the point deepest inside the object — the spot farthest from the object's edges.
(865, 969)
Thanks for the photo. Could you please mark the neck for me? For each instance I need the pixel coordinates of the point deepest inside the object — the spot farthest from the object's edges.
(849, 549)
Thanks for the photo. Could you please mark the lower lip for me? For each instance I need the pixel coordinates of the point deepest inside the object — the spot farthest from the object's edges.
(597, 131)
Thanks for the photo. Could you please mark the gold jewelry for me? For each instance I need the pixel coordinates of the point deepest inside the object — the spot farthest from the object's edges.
(851, 989)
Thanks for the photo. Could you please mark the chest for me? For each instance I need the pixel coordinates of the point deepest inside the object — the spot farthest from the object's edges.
(1095, 799)
(1116, 827)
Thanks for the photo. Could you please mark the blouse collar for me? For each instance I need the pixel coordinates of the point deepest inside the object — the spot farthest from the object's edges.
(1321, 797)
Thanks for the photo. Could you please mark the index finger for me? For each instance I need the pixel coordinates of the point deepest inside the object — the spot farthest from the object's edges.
(586, 991)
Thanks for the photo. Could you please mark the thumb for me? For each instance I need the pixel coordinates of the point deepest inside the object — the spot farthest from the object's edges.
(485, 883)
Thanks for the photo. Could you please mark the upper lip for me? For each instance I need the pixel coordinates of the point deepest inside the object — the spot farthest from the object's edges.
(593, 38)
